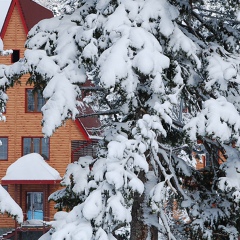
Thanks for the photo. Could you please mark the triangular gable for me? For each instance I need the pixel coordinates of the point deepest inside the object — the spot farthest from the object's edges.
(30, 13)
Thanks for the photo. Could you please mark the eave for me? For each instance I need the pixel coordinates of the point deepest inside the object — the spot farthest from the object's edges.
(82, 130)
(45, 182)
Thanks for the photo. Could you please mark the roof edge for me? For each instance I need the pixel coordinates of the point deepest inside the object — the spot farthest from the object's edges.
(20, 10)
(51, 182)
(82, 129)
(7, 18)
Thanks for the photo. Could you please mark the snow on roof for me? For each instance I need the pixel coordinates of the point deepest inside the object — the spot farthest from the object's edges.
(4, 6)
(31, 167)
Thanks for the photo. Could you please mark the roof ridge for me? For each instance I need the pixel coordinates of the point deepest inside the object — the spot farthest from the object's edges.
(30, 12)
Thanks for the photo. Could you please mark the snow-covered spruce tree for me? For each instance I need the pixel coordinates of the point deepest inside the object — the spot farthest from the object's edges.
(59, 7)
(147, 59)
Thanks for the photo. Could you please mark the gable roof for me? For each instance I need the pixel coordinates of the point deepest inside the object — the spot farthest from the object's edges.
(30, 12)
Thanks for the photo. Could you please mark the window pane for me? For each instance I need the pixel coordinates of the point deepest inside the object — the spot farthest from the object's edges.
(30, 101)
(36, 145)
(4, 149)
(40, 102)
(45, 148)
(26, 146)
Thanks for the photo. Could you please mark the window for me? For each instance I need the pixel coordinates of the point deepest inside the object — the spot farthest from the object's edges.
(34, 100)
(4, 148)
(83, 148)
(15, 56)
(36, 145)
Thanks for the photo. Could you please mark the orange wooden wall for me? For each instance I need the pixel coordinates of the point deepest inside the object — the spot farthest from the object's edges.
(20, 124)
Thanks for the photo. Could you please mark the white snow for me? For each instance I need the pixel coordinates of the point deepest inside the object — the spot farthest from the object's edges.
(4, 6)
(238, 15)
(222, 69)
(31, 167)
(93, 205)
(8, 205)
(219, 119)
(125, 48)
(232, 169)
(79, 174)
(2, 51)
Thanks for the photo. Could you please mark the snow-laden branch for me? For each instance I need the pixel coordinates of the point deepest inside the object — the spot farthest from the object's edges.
(2, 51)
(9, 206)
(219, 120)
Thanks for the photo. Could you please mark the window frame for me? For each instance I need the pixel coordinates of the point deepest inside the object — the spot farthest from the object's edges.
(7, 148)
(32, 137)
(35, 102)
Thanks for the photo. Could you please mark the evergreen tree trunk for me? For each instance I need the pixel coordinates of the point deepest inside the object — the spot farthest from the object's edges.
(139, 229)
(154, 233)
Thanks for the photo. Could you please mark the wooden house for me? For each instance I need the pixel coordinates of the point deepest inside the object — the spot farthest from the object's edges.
(21, 134)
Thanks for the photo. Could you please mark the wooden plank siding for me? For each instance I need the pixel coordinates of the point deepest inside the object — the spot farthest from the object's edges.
(21, 124)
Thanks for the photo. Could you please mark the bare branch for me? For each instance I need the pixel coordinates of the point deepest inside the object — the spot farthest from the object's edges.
(93, 88)
(109, 112)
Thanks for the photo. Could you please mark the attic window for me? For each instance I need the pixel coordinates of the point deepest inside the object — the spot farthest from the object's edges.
(15, 56)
